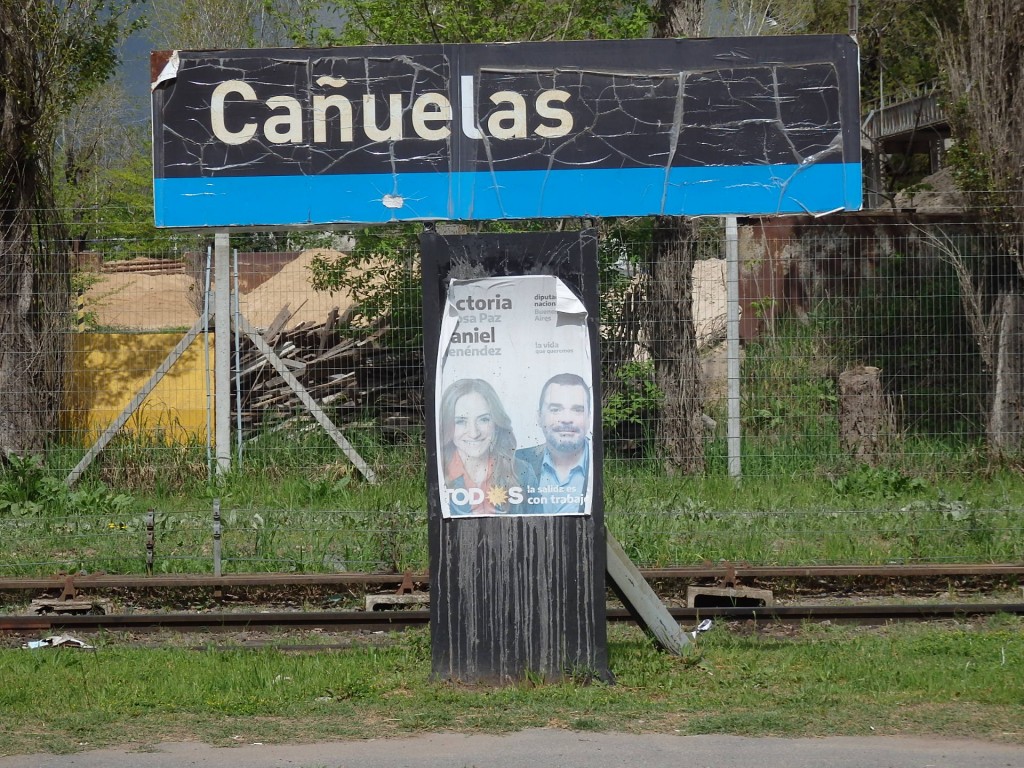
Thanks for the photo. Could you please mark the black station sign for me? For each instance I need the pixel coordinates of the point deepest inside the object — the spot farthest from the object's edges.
(753, 125)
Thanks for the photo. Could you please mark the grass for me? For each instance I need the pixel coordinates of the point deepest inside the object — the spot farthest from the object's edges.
(957, 680)
(684, 531)
(289, 516)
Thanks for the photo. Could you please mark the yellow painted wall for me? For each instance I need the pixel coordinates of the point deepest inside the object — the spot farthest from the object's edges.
(109, 369)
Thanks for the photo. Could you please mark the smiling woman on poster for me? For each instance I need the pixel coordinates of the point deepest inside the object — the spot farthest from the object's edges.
(481, 473)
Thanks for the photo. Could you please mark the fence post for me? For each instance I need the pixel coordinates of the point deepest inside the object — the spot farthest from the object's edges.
(206, 359)
(222, 349)
(216, 537)
(150, 539)
(732, 328)
(236, 312)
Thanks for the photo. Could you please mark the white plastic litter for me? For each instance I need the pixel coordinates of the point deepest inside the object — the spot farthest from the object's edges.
(58, 641)
(704, 626)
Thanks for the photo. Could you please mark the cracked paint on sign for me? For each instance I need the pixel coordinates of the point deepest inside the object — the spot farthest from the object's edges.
(737, 126)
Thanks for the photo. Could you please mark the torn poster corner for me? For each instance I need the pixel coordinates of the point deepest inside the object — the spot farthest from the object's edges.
(163, 67)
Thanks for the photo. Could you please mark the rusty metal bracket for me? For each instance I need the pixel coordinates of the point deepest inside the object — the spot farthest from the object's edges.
(69, 592)
(406, 587)
(729, 578)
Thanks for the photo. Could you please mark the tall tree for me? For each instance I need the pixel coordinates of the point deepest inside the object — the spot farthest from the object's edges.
(985, 59)
(899, 54)
(91, 149)
(383, 22)
(52, 54)
(677, 368)
(745, 18)
(199, 24)
(675, 240)
(899, 40)
(679, 18)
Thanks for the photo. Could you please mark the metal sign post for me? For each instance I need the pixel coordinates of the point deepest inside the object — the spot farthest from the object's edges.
(732, 335)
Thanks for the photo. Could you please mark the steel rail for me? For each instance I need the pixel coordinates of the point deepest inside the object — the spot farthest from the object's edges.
(199, 581)
(402, 619)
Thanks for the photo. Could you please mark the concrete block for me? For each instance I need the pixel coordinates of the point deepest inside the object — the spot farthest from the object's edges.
(725, 597)
(384, 602)
(80, 606)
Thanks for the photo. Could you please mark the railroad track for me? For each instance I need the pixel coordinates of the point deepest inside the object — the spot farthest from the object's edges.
(338, 621)
(383, 620)
(721, 572)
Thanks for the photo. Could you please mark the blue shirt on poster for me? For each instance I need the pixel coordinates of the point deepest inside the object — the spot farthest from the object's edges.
(564, 497)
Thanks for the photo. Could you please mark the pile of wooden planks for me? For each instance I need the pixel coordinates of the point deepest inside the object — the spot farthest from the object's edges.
(351, 373)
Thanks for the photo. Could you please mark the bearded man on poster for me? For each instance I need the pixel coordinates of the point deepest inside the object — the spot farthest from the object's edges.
(562, 462)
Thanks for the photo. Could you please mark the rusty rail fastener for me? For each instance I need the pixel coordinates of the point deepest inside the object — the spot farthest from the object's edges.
(729, 579)
(69, 592)
(406, 586)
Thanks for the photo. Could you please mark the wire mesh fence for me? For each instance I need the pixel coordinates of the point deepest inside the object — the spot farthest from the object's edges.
(877, 384)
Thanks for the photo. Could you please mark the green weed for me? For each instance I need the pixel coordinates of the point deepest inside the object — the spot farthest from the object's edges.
(877, 483)
(629, 408)
(787, 509)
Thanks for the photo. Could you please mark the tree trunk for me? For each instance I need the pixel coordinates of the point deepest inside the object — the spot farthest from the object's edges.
(679, 18)
(985, 66)
(1006, 417)
(677, 370)
(34, 321)
(866, 419)
(34, 281)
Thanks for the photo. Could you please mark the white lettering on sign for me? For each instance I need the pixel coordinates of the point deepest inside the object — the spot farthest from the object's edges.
(463, 496)
(545, 110)
(286, 128)
(322, 103)
(508, 123)
(220, 129)
(431, 115)
(432, 108)
(475, 496)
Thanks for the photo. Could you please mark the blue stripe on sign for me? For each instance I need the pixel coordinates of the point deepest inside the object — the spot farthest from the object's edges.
(380, 198)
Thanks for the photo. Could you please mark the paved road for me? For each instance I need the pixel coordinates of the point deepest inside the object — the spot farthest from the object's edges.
(559, 749)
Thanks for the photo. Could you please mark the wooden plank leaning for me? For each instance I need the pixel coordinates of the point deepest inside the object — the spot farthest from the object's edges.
(311, 405)
(641, 601)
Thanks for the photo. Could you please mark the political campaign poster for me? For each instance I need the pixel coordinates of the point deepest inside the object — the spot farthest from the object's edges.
(514, 399)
